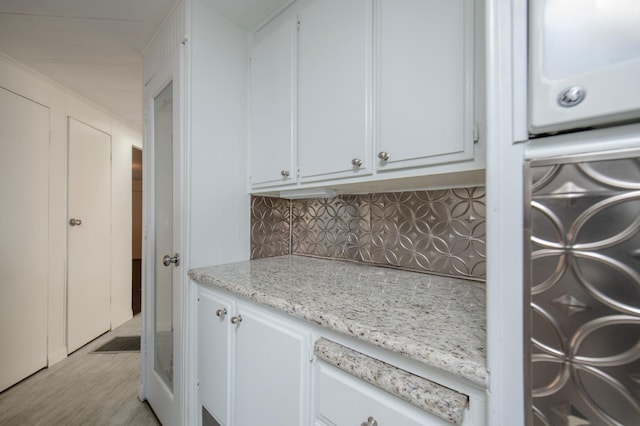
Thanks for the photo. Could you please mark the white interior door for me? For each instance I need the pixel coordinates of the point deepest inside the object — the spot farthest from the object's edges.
(24, 195)
(162, 327)
(89, 230)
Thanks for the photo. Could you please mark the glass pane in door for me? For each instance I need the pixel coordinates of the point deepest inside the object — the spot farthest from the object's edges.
(163, 199)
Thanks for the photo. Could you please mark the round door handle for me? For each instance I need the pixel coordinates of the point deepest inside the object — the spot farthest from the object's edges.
(356, 162)
(236, 319)
(383, 155)
(75, 222)
(571, 96)
(285, 173)
(168, 260)
(221, 312)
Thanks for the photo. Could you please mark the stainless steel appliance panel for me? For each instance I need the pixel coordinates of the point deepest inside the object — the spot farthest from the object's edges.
(583, 325)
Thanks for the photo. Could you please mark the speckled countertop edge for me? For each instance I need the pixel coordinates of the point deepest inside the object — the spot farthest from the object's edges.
(425, 394)
(439, 321)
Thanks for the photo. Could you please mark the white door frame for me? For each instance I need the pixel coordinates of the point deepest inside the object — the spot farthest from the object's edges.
(171, 71)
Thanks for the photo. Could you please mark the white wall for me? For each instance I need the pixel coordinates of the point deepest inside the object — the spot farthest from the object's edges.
(63, 103)
(217, 85)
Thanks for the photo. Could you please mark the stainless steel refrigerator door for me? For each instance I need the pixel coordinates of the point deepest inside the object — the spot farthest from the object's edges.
(582, 321)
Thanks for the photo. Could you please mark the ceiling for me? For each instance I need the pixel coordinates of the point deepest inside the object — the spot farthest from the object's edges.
(94, 47)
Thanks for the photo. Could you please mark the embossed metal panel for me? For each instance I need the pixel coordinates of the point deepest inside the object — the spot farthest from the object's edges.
(428, 231)
(584, 291)
(270, 227)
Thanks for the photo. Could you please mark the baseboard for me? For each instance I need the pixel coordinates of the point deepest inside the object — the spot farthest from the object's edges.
(56, 356)
(118, 320)
(141, 395)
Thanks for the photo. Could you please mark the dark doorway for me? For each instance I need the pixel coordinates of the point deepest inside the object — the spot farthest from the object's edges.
(136, 244)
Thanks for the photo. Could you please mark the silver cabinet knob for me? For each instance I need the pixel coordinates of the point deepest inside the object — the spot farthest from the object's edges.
(221, 312)
(285, 173)
(168, 260)
(383, 155)
(356, 162)
(571, 96)
(236, 319)
(370, 422)
(75, 222)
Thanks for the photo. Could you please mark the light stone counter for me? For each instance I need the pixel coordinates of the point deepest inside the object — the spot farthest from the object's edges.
(436, 320)
(431, 397)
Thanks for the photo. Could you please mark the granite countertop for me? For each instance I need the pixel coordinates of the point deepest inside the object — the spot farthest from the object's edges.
(439, 321)
(429, 396)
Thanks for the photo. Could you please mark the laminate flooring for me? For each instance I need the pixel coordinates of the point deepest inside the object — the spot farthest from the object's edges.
(83, 389)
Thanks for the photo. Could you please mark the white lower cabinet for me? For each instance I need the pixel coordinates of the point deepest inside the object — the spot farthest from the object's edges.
(253, 368)
(342, 399)
(272, 370)
(256, 367)
(214, 344)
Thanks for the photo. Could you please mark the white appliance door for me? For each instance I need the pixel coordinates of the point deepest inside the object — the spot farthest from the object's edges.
(584, 63)
(163, 320)
(24, 191)
(88, 234)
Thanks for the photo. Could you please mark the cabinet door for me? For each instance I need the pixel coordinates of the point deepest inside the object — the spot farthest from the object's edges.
(334, 88)
(424, 104)
(272, 371)
(214, 354)
(272, 130)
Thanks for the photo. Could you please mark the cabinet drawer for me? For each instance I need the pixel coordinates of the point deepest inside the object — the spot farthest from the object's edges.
(342, 399)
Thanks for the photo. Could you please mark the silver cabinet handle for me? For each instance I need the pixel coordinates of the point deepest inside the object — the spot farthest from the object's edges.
(370, 422)
(75, 222)
(356, 162)
(236, 319)
(168, 260)
(220, 313)
(383, 155)
(285, 173)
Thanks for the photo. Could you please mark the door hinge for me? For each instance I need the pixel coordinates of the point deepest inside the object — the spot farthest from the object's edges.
(298, 24)
(476, 134)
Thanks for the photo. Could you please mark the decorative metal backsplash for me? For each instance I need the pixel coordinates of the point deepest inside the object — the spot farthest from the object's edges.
(427, 231)
(585, 293)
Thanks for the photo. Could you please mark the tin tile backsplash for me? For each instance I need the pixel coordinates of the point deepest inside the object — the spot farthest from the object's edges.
(439, 232)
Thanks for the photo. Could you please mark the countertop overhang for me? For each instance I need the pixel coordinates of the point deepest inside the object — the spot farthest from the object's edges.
(439, 321)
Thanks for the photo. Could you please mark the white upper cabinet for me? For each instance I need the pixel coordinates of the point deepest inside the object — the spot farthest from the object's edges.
(334, 89)
(424, 90)
(350, 92)
(272, 128)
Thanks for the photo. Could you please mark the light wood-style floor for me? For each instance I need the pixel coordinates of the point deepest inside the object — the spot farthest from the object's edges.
(83, 389)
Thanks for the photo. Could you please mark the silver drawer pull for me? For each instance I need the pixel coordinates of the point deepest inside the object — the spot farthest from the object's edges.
(370, 422)
(383, 155)
(221, 312)
(236, 320)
